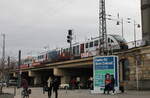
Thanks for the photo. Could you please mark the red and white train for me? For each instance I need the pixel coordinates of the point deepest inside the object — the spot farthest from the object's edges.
(79, 50)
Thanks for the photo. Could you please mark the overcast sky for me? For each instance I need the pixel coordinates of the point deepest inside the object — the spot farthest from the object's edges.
(30, 25)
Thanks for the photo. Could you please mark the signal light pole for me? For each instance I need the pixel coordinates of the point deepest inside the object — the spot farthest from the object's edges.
(19, 69)
(69, 40)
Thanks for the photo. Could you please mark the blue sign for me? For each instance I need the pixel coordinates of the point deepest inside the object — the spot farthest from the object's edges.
(103, 65)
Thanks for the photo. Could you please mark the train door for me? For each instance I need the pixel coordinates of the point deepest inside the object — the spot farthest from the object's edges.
(81, 48)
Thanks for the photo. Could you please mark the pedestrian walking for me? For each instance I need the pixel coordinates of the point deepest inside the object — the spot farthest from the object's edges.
(121, 88)
(78, 83)
(24, 84)
(49, 87)
(45, 87)
(73, 83)
(112, 84)
(53, 84)
(25, 92)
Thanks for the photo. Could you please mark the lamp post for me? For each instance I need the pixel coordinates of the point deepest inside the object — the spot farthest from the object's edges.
(135, 25)
(138, 26)
(119, 20)
(122, 29)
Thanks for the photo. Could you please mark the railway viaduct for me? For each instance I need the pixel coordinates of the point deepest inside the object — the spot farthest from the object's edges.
(130, 62)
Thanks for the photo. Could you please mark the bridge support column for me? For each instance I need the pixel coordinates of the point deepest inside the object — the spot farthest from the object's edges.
(14, 74)
(65, 76)
(37, 80)
(36, 76)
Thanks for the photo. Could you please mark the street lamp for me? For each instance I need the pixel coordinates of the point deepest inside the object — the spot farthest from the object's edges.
(118, 20)
(135, 25)
(122, 22)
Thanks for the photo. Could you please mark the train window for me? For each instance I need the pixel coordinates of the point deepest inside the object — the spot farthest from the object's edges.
(74, 49)
(87, 45)
(112, 41)
(108, 40)
(64, 50)
(41, 57)
(67, 49)
(91, 44)
(96, 43)
(78, 50)
(82, 48)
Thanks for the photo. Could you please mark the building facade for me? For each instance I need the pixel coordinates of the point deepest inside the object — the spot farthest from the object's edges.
(145, 7)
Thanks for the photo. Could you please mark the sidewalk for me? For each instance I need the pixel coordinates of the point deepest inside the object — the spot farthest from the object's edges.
(38, 93)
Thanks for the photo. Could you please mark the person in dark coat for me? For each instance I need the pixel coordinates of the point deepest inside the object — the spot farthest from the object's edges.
(49, 87)
(24, 84)
(54, 85)
(112, 85)
(45, 87)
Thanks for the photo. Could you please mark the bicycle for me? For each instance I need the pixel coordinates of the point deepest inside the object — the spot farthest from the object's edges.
(25, 93)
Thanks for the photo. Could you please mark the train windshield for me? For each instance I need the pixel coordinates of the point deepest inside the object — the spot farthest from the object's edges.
(119, 38)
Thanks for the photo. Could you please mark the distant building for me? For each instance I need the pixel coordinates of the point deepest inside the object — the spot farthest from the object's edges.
(145, 7)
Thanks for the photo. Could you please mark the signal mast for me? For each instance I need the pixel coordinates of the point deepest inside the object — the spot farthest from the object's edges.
(102, 28)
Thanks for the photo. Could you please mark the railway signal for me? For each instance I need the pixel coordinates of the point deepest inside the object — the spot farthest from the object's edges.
(69, 36)
(69, 40)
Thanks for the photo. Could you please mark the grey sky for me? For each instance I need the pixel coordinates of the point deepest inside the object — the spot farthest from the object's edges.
(30, 25)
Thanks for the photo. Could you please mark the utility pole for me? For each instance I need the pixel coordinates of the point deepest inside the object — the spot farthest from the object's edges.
(102, 28)
(8, 65)
(3, 63)
(8, 61)
(3, 57)
(135, 33)
(19, 70)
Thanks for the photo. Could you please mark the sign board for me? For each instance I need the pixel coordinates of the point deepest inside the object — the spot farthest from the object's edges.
(103, 65)
(89, 53)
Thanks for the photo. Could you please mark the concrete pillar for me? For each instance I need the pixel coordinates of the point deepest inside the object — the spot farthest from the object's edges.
(37, 80)
(31, 73)
(59, 72)
(65, 76)
(36, 76)
(14, 74)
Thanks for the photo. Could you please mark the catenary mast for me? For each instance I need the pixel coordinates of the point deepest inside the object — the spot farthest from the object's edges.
(102, 28)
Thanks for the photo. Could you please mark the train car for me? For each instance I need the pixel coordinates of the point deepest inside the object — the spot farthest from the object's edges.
(27, 62)
(53, 55)
(64, 54)
(76, 51)
(41, 57)
(81, 50)
(119, 42)
(114, 43)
